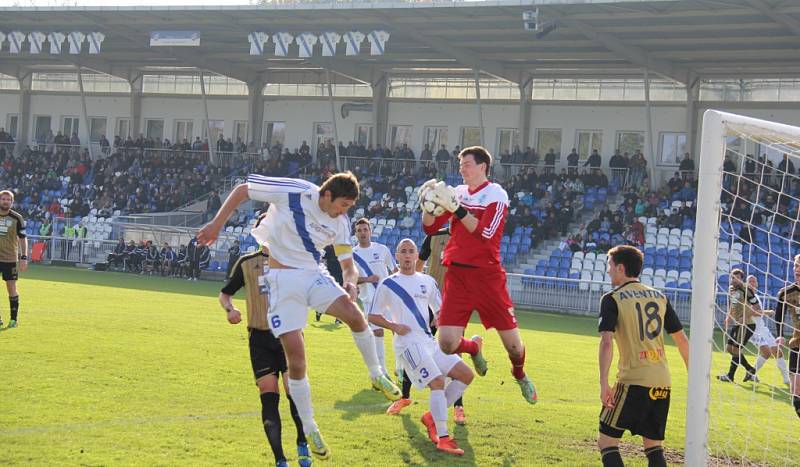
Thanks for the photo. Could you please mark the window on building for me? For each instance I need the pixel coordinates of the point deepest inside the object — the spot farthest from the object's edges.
(547, 139)
(97, 128)
(154, 128)
(184, 129)
(364, 135)
(587, 141)
(630, 142)
(123, 128)
(507, 139)
(470, 136)
(323, 133)
(435, 137)
(672, 145)
(12, 125)
(69, 125)
(274, 133)
(41, 127)
(401, 134)
(217, 130)
(240, 131)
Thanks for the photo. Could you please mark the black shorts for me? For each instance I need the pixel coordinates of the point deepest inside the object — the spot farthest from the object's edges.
(641, 410)
(266, 354)
(9, 271)
(739, 335)
(794, 361)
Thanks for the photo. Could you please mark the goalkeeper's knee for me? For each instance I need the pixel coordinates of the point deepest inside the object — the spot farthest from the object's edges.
(796, 403)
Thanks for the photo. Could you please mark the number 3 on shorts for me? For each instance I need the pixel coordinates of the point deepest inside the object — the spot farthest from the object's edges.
(275, 321)
(423, 372)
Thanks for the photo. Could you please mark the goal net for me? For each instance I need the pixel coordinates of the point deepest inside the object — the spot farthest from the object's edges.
(749, 194)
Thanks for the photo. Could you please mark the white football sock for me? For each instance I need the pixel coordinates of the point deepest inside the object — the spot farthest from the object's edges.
(438, 405)
(300, 390)
(453, 391)
(760, 361)
(365, 342)
(782, 366)
(379, 349)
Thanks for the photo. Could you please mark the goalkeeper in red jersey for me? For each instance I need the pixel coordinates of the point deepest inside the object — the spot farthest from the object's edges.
(475, 278)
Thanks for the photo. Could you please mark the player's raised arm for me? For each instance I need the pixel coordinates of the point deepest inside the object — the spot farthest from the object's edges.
(209, 233)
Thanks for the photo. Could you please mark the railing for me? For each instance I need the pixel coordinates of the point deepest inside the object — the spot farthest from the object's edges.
(619, 176)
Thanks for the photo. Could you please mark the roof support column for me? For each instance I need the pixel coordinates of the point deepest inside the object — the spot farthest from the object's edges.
(380, 109)
(336, 141)
(524, 123)
(135, 125)
(212, 149)
(478, 102)
(85, 114)
(692, 96)
(648, 135)
(24, 137)
(255, 110)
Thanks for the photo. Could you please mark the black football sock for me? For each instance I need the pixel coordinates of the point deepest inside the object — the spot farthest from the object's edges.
(14, 303)
(611, 457)
(796, 403)
(272, 423)
(747, 366)
(733, 367)
(459, 402)
(301, 437)
(655, 457)
(406, 386)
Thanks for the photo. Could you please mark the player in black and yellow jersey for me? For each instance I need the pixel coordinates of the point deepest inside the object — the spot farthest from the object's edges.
(266, 354)
(636, 317)
(13, 251)
(740, 324)
(789, 303)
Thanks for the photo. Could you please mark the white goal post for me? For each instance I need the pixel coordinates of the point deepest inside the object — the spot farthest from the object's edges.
(717, 126)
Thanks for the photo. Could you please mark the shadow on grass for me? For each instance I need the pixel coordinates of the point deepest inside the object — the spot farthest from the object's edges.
(418, 439)
(355, 406)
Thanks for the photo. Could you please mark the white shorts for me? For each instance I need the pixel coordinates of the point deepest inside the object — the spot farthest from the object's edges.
(366, 303)
(762, 336)
(424, 361)
(293, 291)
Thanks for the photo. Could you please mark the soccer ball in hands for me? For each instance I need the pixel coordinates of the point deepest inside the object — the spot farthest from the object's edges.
(429, 206)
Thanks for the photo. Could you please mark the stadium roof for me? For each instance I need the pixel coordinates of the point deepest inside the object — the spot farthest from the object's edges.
(681, 40)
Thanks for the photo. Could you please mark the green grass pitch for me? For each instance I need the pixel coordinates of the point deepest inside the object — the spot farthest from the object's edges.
(117, 369)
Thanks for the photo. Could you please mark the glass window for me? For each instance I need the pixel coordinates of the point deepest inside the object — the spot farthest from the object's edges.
(240, 131)
(217, 130)
(547, 140)
(154, 129)
(435, 137)
(470, 136)
(323, 133)
(12, 125)
(587, 141)
(69, 125)
(123, 128)
(401, 134)
(41, 127)
(274, 133)
(630, 142)
(364, 135)
(673, 145)
(508, 138)
(184, 129)
(97, 128)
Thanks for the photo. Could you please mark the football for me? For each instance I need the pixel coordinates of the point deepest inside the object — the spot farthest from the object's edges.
(429, 206)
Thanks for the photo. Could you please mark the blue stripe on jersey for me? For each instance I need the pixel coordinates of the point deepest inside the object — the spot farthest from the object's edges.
(300, 224)
(408, 302)
(365, 266)
(282, 183)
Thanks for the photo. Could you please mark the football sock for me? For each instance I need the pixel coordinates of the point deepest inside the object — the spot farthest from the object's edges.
(796, 404)
(655, 457)
(459, 402)
(467, 346)
(14, 303)
(365, 342)
(272, 423)
(453, 391)
(438, 406)
(381, 351)
(782, 367)
(300, 390)
(747, 366)
(518, 365)
(406, 386)
(301, 437)
(760, 362)
(611, 457)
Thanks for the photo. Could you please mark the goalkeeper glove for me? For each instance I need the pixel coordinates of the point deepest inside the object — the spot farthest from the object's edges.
(424, 189)
(444, 196)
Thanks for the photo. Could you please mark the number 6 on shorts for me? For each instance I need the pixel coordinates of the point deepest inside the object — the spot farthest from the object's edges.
(275, 321)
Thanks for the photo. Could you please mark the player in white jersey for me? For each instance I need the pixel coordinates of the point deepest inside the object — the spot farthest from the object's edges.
(301, 221)
(375, 262)
(765, 341)
(401, 305)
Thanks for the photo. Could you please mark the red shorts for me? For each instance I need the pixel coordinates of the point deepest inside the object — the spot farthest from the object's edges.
(479, 289)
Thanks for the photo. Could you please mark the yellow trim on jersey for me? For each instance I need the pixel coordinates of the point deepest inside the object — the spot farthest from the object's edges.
(343, 251)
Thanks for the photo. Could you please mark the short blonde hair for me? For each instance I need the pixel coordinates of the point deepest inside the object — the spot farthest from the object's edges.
(9, 193)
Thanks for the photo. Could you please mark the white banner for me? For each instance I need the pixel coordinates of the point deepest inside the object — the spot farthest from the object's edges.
(329, 41)
(175, 38)
(353, 41)
(257, 41)
(306, 41)
(55, 39)
(95, 41)
(75, 39)
(15, 40)
(282, 41)
(36, 40)
(378, 40)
